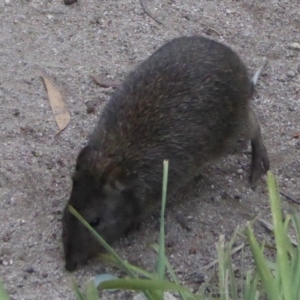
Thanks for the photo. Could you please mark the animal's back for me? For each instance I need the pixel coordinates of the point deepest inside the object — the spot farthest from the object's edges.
(187, 103)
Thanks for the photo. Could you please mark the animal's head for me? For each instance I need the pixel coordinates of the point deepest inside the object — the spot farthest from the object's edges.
(105, 199)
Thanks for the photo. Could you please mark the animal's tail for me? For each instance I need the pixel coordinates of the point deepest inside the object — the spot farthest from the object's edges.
(255, 77)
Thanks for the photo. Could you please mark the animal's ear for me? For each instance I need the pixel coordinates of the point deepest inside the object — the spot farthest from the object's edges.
(87, 154)
(115, 177)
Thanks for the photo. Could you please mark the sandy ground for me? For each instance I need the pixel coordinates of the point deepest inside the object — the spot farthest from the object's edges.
(70, 43)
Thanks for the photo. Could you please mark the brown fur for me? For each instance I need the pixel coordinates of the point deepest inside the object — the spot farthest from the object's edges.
(189, 103)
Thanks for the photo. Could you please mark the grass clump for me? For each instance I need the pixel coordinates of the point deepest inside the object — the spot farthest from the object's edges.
(275, 280)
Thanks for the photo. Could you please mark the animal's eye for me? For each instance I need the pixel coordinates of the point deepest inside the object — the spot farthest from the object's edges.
(95, 222)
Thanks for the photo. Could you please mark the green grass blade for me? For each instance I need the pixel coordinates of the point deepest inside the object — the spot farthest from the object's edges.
(110, 259)
(250, 286)
(91, 290)
(76, 290)
(106, 246)
(296, 222)
(183, 295)
(296, 263)
(141, 285)
(267, 279)
(233, 287)
(223, 288)
(3, 293)
(161, 252)
(280, 237)
(232, 280)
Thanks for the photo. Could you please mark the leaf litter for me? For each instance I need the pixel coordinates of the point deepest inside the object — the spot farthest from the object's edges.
(59, 109)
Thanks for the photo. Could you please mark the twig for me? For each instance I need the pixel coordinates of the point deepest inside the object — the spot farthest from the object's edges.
(290, 198)
(149, 13)
(270, 227)
(106, 83)
(209, 27)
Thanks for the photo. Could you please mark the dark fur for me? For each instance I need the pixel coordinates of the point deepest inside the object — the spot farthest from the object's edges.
(189, 103)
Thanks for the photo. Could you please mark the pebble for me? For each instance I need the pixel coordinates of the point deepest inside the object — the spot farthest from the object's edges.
(295, 46)
(16, 112)
(171, 243)
(5, 263)
(291, 74)
(192, 250)
(90, 107)
(69, 2)
(29, 270)
(183, 221)
(6, 237)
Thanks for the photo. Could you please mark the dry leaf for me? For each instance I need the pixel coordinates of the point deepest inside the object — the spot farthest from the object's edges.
(58, 106)
(296, 135)
(106, 83)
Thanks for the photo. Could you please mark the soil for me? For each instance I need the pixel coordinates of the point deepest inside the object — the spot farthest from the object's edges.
(68, 44)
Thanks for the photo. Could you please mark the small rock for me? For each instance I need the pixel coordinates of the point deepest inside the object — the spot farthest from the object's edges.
(170, 243)
(29, 270)
(90, 107)
(5, 263)
(240, 171)
(291, 74)
(35, 153)
(281, 78)
(298, 68)
(297, 145)
(183, 221)
(192, 250)
(60, 162)
(6, 237)
(69, 2)
(295, 46)
(237, 197)
(16, 112)
(45, 275)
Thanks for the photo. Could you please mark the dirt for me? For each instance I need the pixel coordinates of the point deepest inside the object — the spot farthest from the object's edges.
(68, 44)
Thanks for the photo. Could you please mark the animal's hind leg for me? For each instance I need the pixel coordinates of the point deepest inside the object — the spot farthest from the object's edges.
(259, 161)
